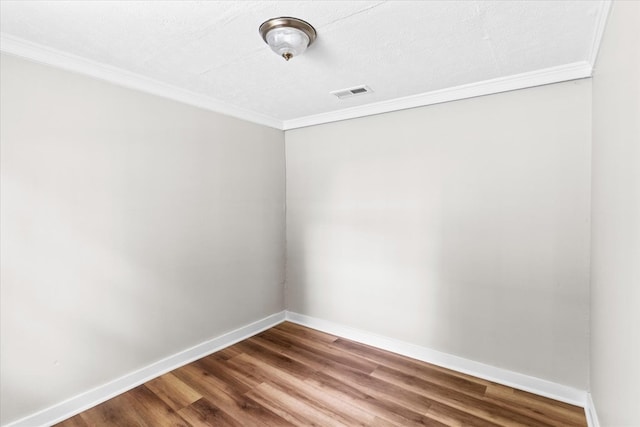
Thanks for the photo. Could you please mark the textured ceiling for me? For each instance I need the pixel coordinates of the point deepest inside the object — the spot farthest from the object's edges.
(398, 48)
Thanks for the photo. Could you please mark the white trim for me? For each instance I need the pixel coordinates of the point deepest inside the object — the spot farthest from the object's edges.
(603, 14)
(46, 55)
(576, 70)
(91, 398)
(502, 376)
(590, 412)
(39, 53)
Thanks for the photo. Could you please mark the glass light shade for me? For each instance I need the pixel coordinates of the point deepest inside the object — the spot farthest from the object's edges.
(287, 41)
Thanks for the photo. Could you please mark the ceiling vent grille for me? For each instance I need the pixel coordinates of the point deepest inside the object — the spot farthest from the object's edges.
(352, 91)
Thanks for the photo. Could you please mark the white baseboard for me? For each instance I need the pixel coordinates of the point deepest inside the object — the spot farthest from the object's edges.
(91, 398)
(590, 412)
(501, 376)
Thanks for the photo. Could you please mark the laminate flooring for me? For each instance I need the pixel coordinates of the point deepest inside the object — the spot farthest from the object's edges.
(291, 375)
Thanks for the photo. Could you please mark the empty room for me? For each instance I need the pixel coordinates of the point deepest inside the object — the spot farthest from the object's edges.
(320, 213)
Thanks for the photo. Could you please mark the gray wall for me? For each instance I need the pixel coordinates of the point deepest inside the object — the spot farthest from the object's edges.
(462, 227)
(133, 227)
(615, 256)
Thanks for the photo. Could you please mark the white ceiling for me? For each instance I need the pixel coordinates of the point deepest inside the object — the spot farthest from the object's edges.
(210, 53)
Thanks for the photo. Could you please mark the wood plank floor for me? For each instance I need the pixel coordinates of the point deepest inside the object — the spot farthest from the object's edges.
(292, 375)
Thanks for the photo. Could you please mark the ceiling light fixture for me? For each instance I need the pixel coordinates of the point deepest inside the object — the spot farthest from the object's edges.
(286, 36)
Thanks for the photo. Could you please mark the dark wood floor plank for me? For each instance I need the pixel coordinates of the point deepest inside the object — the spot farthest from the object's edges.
(138, 407)
(236, 405)
(383, 390)
(76, 421)
(226, 353)
(304, 332)
(238, 375)
(275, 359)
(524, 395)
(541, 409)
(408, 365)
(175, 393)
(389, 411)
(204, 413)
(471, 405)
(381, 422)
(324, 350)
(291, 375)
(454, 417)
(296, 387)
(153, 410)
(114, 412)
(291, 408)
(221, 370)
(414, 368)
(307, 357)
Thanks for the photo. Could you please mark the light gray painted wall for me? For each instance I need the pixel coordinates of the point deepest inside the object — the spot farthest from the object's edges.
(133, 227)
(615, 255)
(462, 227)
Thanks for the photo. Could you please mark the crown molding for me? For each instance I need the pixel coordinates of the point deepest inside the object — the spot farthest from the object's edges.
(576, 70)
(46, 55)
(603, 14)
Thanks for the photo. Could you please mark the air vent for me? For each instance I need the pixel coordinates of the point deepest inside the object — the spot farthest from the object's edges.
(352, 91)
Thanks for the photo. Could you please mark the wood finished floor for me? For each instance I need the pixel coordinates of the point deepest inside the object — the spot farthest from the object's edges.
(292, 375)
